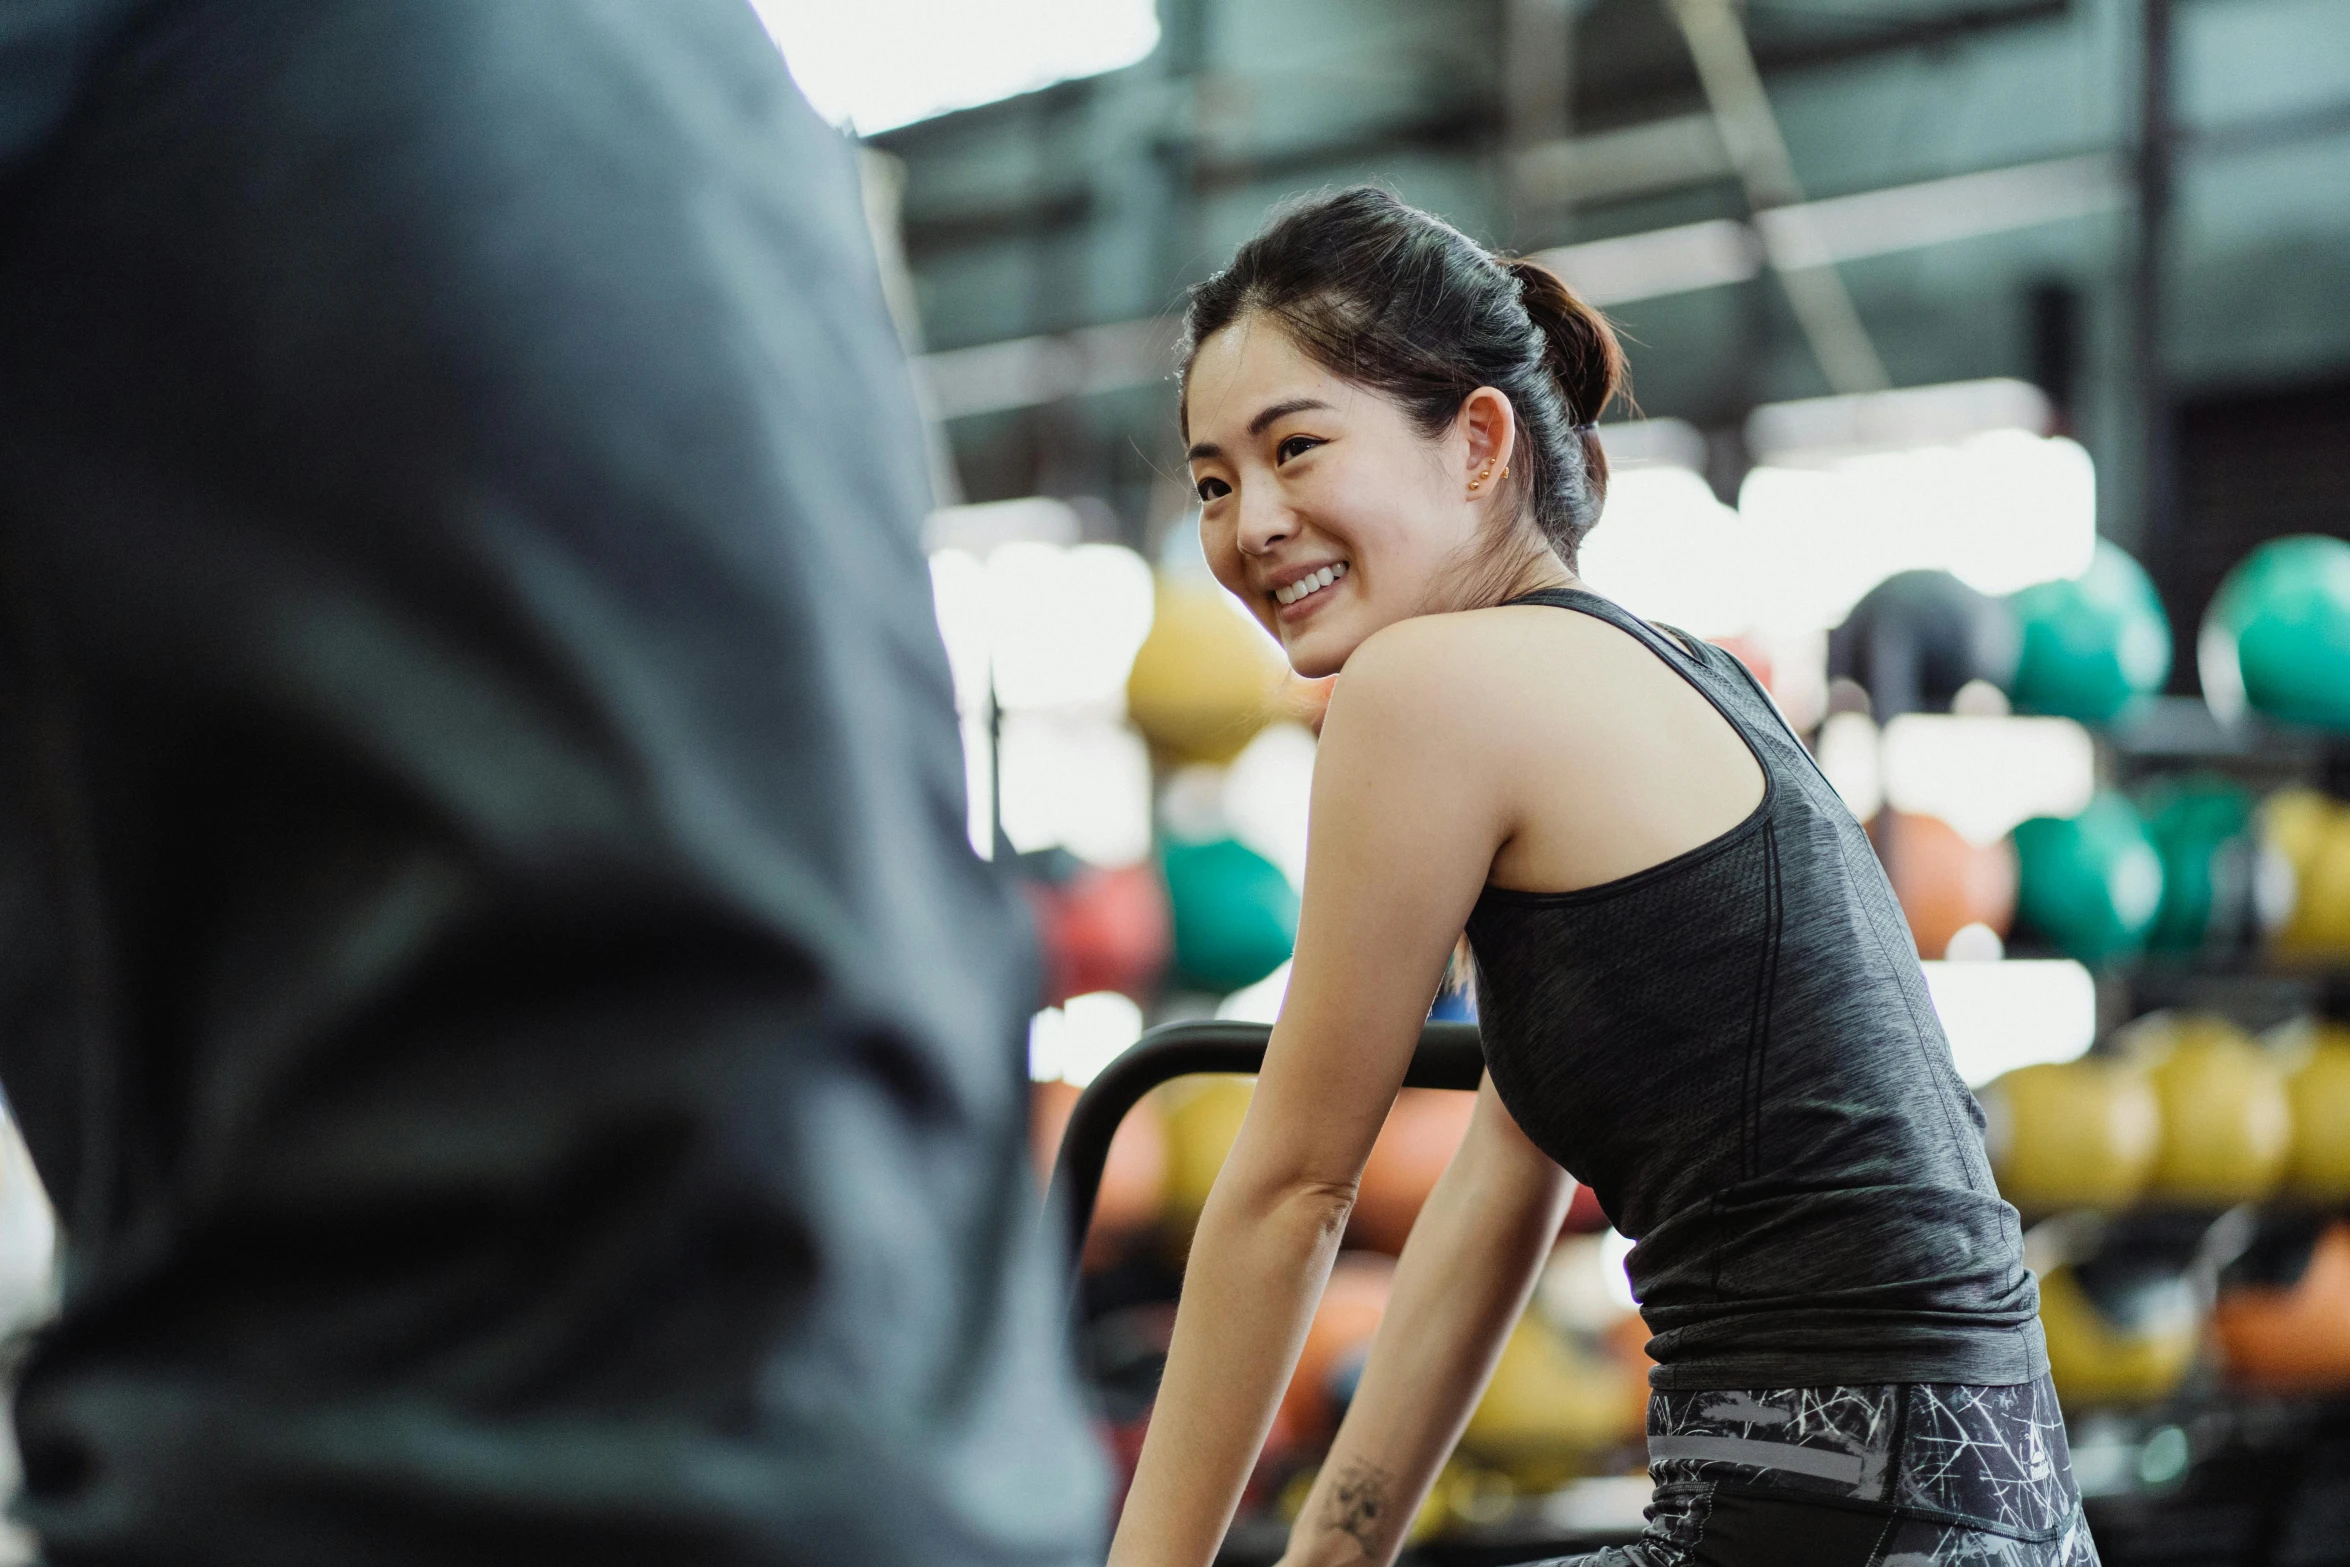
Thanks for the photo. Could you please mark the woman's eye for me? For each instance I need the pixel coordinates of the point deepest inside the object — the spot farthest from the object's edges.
(1210, 488)
(1294, 446)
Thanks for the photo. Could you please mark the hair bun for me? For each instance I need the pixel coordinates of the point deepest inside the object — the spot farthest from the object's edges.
(1580, 347)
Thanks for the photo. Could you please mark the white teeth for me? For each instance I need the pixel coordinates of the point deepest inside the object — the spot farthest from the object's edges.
(1305, 587)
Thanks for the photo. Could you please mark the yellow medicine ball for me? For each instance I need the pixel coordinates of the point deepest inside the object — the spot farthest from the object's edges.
(1205, 680)
(2227, 1125)
(2312, 834)
(1202, 1116)
(1550, 1408)
(2294, 822)
(2097, 1359)
(2318, 1087)
(2071, 1134)
(2320, 925)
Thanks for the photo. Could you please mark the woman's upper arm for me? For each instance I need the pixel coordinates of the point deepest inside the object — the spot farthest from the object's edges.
(1407, 815)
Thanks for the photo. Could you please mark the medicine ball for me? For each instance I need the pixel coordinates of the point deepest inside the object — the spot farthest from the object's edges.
(1551, 1408)
(2311, 833)
(1202, 1117)
(2071, 1134)
(1133, 1189)
(1943, 881)
(1914, 639)
(2092, 644)
(1235, 913)
(1421, 1134)
(1098, 929)
(2127, 1339)
(2201, 826)
(1205, 680)
(2090, 884)
(2290, 1333)
(2227, 1124)
(1351, 1307)
(2317, 1086)
(2276, 638)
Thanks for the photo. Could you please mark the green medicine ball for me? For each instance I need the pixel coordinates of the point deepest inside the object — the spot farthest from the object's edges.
(2092, 644)
(2200, 826)
(2091, 884)
(1235, 913)
(2277, 635)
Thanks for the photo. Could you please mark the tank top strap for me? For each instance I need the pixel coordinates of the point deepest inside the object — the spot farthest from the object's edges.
(1675, 647)
(1720, 675)
(1716, 673)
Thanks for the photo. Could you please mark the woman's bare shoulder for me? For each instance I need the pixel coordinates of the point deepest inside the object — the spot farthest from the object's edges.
(1470, 665)
(1473, 638)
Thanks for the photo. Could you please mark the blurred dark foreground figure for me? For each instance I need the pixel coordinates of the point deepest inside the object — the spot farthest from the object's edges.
(489, 966)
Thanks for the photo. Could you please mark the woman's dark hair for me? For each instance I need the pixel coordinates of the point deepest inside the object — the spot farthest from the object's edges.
(1400, 301)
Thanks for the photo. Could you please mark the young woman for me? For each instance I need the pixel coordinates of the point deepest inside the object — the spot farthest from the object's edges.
(1697, 990)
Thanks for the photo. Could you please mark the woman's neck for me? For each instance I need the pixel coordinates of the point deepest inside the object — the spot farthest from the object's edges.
(1540, 572)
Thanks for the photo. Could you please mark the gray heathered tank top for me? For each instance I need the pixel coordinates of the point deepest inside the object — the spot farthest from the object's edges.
(1735, 1049)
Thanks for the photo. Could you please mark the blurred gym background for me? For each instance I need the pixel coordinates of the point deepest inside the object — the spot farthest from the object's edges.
(1992, 362)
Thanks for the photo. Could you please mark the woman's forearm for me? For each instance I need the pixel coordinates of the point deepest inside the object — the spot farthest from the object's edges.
(1464, 1278)
(1258, 1262)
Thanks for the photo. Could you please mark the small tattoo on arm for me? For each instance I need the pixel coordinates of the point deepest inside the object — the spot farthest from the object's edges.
(1359, 1504)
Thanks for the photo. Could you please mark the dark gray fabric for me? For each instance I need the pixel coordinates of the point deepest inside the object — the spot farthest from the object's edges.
(1928, 1475)
(1736, 1051)
(490, 967)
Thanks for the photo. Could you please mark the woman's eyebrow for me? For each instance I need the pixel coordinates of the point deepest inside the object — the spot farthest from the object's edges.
(1282, 410)
(1256, 426)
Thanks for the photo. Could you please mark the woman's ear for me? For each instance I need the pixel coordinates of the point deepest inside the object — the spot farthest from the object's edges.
(1488, 428)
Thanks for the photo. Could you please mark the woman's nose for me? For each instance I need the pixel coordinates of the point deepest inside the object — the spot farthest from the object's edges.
(1264, 521)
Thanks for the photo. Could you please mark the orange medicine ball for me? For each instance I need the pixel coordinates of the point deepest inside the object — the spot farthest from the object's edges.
(1134, 1181)
(1943, 881)
(2294, 1338)
(1345, 1321)
(1422, 1131)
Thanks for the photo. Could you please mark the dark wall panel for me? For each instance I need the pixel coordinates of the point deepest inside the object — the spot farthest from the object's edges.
(2252, 467)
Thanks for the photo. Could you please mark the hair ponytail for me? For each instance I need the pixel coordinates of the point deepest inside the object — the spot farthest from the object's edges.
(1582, 354)
(1396, 300)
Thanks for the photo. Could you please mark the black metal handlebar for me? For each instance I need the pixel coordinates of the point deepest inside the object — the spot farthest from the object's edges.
(1449, 1055)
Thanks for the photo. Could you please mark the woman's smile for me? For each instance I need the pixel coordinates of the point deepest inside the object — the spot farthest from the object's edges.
(1300, 593)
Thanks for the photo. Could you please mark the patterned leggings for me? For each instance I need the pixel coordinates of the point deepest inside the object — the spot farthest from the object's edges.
(1913, 1475)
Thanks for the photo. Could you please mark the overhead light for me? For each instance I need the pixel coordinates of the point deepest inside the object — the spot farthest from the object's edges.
(2000, 511)
(1652, 443)
(1684, 149)
(1266, 794)
(1940, 212)
(884, 63)
(978, 529)
(1662, 261)
(1815, 431)
(1984, 775)
(2003, 1015)
(1021, 372)
(1851, 759)
(1077, 781)
(1666, 549)
(1072, 1042)
(1064, 624)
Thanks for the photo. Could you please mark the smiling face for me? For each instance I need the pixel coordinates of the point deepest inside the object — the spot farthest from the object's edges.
(1323, 507)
